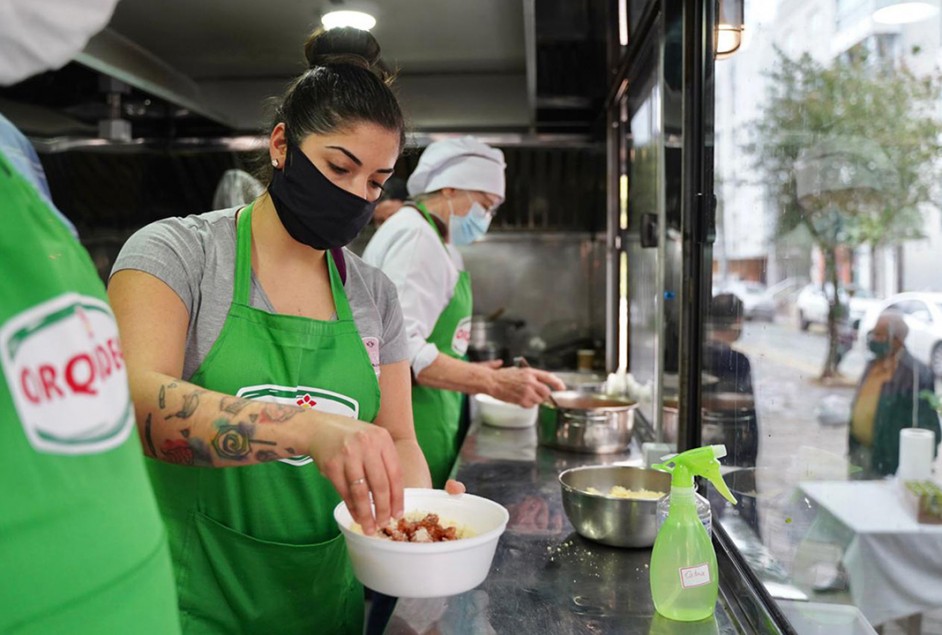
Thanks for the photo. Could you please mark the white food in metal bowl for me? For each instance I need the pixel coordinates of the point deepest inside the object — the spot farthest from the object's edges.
(425, 570)
(502, 414)
(617, 491)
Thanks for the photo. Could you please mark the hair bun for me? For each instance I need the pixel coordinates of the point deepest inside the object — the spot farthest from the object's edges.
(344, 45)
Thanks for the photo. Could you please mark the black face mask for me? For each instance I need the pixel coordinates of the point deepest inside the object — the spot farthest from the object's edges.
(313, 210)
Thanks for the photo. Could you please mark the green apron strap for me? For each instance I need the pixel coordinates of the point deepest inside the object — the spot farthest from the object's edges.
(428, 216)
(243, 270)
(341, 305)
(437, 412)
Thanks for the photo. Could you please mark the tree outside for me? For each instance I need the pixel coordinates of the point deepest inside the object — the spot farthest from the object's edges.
(850, 151)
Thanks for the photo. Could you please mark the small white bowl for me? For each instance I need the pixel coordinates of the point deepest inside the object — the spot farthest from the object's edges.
(428, 570)
(501, 414)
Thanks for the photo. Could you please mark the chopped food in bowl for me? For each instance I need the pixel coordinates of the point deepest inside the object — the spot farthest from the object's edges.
(389, 564)
(419, 527)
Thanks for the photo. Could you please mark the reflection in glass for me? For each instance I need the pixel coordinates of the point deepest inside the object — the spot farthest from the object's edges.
(640, 264)
(828, 162)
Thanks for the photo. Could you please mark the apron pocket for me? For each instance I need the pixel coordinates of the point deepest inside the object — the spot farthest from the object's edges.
(235, 583)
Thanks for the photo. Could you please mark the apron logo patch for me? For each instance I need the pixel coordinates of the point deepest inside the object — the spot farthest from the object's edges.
(306, 397)
(306, 401)
(64, 366)
(462, 337)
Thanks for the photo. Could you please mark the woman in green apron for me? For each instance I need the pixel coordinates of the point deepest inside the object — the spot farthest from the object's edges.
(457, 186)
(255, 343)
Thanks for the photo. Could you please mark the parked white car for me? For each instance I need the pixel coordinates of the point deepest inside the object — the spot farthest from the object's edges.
(757, 302)
(812, 304)
(923, 315)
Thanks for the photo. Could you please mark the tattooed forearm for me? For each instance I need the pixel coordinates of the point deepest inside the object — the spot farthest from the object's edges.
(185, 424)
(190, 403)
(264, 456)
(232, 442)
(277, 413)
(148, 437)
(177, 451)
(233, 405)
(186, 451)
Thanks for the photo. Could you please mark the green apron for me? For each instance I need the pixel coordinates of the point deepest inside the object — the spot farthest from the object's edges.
(256, 548)
(82, 547)
(437, 412)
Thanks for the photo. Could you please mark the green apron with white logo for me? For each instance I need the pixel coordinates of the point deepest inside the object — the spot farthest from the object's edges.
(437, 412)
(256, 548)
(82, 546)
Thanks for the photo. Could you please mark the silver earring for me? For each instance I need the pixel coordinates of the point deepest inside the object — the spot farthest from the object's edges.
(274, 163)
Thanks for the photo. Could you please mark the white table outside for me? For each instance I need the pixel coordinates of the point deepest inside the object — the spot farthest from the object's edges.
(894, 563)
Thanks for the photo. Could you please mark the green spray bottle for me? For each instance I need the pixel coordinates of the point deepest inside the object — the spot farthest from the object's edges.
(684, 583)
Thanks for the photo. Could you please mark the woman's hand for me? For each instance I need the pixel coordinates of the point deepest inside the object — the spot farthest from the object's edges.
(360, 459)
(525, 387)
(454, 487)
(490, 363)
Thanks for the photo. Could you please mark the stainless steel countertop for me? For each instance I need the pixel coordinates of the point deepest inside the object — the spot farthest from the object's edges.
(545, 578)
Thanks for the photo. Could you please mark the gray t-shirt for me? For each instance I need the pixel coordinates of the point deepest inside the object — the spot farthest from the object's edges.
(195, 256)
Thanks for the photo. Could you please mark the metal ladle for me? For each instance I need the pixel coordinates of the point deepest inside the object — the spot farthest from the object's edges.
(521, 362)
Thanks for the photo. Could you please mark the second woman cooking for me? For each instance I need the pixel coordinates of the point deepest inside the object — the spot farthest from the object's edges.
(455, 189)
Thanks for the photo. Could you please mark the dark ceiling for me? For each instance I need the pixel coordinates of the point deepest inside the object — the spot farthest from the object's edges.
(529, 69)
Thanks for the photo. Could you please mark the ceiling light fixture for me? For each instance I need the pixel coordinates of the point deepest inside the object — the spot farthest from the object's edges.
(729, 28)
(357, 19)
(896, 12)
(623, 22)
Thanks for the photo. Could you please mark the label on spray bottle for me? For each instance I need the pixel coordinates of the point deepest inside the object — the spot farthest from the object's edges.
(695, 576)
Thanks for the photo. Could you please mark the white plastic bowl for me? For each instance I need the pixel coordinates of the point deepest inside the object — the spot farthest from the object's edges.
(428, 570)
(501, 414)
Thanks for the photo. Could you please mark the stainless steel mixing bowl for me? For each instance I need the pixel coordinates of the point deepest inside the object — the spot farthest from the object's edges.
(619, 522)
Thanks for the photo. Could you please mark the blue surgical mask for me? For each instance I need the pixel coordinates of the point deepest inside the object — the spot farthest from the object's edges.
(465, 230)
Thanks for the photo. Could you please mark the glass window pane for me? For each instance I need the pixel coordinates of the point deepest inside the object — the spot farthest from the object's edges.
(827, 164)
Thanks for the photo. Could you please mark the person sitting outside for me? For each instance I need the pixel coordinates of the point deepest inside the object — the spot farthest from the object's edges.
(729, 413)
(729, 402)
(889, 397)
(724, 327)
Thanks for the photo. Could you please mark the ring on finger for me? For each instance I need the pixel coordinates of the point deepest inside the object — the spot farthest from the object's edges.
(358, 481)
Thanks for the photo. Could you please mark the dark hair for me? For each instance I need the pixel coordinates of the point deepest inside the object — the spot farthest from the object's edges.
(725, 310)
(394, 189)
(345, 83)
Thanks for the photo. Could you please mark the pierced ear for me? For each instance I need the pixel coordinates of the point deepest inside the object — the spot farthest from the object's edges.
(278, 144)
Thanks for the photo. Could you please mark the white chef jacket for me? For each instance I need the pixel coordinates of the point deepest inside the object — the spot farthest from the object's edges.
(425, 271)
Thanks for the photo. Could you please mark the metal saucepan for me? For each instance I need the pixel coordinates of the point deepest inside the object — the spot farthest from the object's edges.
(586, 422)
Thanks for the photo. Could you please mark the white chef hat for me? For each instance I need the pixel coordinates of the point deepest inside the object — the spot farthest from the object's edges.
(39, 36)
(464, 163)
